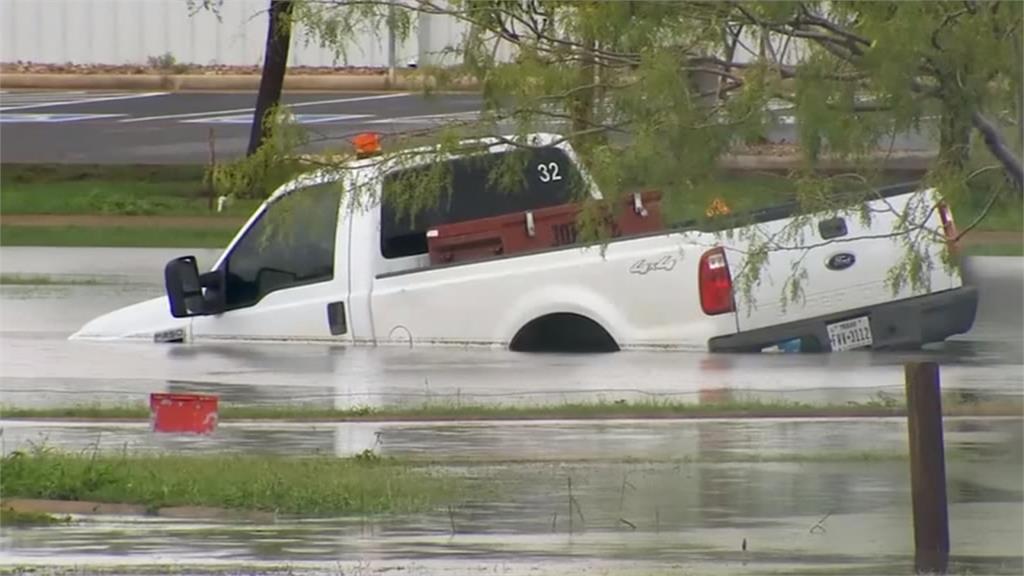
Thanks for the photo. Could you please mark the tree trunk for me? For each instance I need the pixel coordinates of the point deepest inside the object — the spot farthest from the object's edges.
(275, 62)
(954, 137)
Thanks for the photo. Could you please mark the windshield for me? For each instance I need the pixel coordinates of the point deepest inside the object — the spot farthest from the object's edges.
(290, 244)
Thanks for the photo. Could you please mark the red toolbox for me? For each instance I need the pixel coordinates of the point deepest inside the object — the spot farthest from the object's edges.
(535, 230)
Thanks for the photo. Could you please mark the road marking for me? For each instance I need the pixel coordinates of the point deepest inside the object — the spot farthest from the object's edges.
(300, 118)
(250, 110)
(468, 115)
(28, 118)
(88, 100)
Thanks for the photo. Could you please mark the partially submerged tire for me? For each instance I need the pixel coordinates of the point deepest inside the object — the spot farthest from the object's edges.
(563, 332)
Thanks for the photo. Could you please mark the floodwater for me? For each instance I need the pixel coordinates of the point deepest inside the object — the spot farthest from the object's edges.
(806, 495)
(40, 367)
(827, 495)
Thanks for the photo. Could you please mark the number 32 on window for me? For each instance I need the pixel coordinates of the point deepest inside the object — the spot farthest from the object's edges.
(548, 172)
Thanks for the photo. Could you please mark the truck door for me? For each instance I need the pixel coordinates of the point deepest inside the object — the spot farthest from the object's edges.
(286, 276)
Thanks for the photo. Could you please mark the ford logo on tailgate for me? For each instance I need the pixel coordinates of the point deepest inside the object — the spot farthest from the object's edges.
(840, 261)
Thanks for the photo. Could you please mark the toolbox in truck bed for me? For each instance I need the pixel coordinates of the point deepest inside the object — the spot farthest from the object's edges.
(533, 230)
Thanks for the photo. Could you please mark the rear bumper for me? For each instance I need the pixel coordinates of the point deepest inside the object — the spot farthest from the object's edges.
(901, 324)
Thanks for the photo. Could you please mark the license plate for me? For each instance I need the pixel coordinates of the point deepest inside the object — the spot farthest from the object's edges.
(850, 334)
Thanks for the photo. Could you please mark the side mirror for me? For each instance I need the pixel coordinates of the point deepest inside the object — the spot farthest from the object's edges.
(185, 289)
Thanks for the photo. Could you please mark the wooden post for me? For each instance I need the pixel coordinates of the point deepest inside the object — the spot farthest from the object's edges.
(927, 468)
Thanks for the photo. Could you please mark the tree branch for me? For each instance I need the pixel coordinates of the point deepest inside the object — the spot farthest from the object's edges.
(998, 147)
(816, 20)
(988, 205)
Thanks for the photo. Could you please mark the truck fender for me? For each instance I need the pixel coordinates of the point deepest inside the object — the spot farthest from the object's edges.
(545, 301)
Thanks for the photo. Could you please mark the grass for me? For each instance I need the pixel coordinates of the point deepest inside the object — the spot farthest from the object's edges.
(309, 486)
(882, 405)
(113, 190)
(151, 237)
(112, 198)
(9, 517)
(43, 280)
(994, 249)
(179, 191)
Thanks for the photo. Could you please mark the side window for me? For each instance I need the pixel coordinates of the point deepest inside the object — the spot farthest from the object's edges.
(291, 244)
(479, 188)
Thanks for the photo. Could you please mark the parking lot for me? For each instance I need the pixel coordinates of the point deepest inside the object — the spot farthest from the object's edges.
(178, 127)
(169, 128)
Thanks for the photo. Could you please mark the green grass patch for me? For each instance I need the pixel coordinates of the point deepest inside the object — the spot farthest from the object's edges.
(309, 486)
(110, 190)
(15, 173)
(153, 237)
(993, 249)
(113, 198)
(9, 517)
(1006, 214)
(42, 280)
(881, 405)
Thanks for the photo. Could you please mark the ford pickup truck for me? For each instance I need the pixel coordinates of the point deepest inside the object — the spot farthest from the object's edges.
(318, 262)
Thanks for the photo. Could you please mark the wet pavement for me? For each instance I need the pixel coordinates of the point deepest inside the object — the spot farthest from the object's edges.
(676, 496)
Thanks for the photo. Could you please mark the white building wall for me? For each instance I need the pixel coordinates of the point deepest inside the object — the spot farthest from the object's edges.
(133, 31)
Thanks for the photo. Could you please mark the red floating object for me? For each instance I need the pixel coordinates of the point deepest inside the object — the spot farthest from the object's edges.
(194, 413)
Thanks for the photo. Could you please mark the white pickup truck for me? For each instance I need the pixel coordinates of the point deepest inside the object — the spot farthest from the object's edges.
(344, 268)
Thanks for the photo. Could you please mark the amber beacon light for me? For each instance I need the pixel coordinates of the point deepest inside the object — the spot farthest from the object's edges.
(367, 144)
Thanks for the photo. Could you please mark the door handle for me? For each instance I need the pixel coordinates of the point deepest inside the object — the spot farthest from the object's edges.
(336, 319)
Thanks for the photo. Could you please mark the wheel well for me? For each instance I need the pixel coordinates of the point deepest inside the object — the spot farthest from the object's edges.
(563, 332)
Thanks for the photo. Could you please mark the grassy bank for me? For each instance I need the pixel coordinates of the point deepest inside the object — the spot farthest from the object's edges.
(111, 190)
(175, 206)
(882, 405)
(114, 235)
(313, 486)
(9, 517)
(144, 206)
(994, 249)
(44, 280)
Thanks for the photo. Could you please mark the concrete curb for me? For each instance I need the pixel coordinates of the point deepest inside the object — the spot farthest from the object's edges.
(225, 82)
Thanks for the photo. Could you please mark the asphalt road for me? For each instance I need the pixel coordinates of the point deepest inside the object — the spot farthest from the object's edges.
(175, 128)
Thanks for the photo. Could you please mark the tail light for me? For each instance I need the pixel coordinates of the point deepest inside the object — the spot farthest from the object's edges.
(948, 225)
(715, 283)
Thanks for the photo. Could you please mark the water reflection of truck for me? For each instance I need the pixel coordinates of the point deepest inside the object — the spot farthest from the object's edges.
(355, 271)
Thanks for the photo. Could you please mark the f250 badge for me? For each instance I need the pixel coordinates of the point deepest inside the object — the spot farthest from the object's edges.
(642, 266)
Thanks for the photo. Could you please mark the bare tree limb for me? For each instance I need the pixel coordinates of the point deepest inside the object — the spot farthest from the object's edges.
(988, 205)
(998, 147)
(816, 20)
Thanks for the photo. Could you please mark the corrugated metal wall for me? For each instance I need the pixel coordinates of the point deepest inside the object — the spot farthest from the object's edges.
(132, 31)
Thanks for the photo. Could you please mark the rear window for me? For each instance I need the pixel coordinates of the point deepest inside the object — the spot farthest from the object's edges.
(474, 187)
